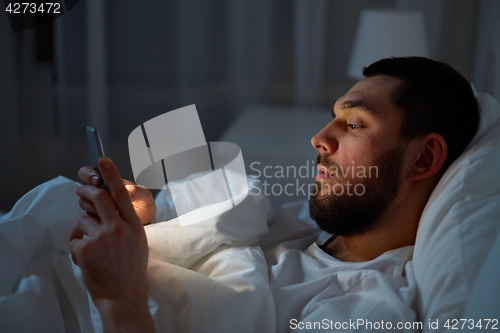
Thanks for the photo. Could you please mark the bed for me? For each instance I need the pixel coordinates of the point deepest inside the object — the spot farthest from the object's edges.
(454, 260)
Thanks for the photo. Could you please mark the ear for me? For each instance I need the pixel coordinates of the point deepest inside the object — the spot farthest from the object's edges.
(430, 157)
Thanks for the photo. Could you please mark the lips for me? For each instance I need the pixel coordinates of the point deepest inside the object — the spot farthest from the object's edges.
(323, 173)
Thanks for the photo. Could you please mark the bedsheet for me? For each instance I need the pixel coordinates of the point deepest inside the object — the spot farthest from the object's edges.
(209, 277)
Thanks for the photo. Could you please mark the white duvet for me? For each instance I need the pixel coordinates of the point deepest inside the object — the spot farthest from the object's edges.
(206, 277)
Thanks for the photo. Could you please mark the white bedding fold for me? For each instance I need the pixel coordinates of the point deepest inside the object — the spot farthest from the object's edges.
(219, 282)
(32, 235)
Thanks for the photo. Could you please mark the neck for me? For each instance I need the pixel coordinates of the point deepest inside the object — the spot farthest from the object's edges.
(369, 245)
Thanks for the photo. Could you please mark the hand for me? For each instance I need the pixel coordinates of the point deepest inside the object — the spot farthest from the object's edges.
(142, 198)
(114, 255)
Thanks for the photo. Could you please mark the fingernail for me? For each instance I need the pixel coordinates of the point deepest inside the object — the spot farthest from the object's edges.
(93, 180)
(106, 163)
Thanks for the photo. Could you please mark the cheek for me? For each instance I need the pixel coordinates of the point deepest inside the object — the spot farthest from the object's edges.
(359, 153)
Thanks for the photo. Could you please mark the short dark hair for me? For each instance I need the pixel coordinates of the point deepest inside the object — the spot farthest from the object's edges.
(434, 97)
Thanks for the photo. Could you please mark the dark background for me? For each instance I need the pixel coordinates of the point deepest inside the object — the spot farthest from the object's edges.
(115, 64)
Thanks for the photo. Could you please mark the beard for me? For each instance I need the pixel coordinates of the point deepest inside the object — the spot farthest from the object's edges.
(346, 215)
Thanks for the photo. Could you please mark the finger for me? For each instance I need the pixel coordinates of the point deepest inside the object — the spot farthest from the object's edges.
(89, 176)
(87, 206)
(76, 233)
(95, 217)
(117, 190)
(75, 247)
(103, 203)
(85, 225)
(89, 225)
(136, 191)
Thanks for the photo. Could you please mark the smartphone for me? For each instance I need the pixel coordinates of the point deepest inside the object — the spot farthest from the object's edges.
(96, 151)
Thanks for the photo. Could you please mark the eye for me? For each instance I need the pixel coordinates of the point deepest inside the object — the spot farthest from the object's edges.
(353, 126)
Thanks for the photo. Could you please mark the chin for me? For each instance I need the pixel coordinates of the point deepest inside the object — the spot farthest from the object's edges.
(346, 214)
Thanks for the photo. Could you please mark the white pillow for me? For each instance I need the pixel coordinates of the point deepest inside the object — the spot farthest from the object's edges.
(459, 224)
(484, 302)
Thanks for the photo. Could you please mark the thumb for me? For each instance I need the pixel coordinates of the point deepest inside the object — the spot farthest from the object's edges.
(117, 189)
(139, 193)
(132, 191)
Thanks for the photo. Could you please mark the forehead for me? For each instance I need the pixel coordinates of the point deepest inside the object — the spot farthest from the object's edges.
(372, 94)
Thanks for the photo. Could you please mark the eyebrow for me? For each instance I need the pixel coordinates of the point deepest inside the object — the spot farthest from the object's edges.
(357, 103)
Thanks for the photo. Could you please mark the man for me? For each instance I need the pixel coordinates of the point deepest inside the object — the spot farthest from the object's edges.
(408, 119)
(411, 118)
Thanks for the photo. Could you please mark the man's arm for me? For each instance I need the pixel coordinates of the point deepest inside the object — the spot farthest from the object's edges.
(113, 258)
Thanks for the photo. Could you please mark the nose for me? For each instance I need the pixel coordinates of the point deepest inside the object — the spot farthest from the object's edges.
(325, 141)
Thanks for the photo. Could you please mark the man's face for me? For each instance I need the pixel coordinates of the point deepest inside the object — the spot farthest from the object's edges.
(361, 158)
